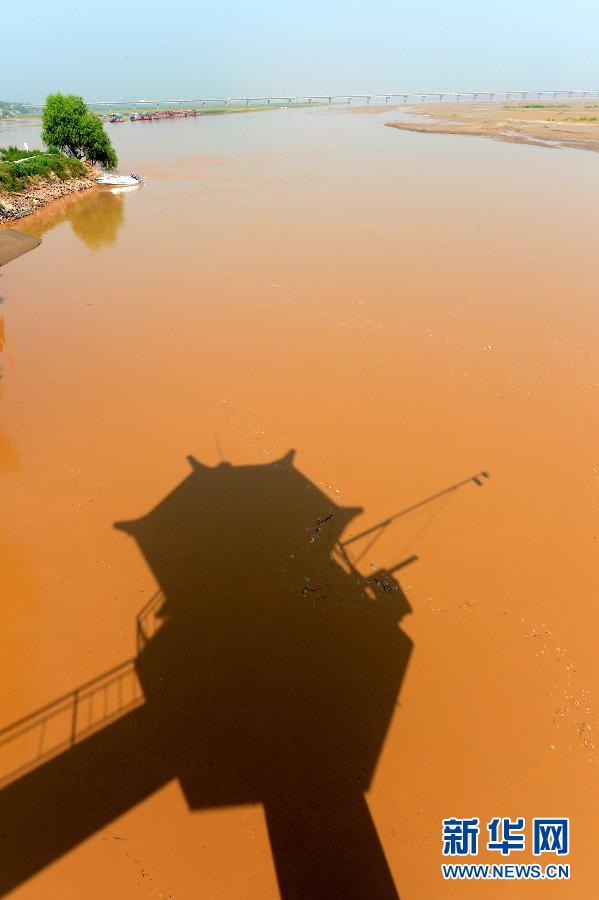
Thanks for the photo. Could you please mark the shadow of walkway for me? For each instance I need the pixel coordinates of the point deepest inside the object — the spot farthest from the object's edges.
(270, 675)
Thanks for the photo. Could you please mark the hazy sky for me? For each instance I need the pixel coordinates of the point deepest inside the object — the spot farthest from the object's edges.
(182, 49)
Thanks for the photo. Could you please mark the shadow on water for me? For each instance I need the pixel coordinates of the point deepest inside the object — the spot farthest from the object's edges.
(95, 217)
(270, 677)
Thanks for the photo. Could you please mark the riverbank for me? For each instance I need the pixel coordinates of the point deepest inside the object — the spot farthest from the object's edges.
(20, 119)
(41, 193)
(229, 109)
(574, 124)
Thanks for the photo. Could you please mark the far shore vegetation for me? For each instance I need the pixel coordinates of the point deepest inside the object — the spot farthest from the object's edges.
(222, 110)
(104, 115)
(13, 110)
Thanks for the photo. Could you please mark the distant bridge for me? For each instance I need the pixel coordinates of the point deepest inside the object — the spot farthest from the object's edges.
(300, 99)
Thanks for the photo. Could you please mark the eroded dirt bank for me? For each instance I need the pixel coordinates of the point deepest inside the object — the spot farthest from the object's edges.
(41, 193)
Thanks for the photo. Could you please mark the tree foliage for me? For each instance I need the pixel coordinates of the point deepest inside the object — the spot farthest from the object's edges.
(96, 143)
(69, 127)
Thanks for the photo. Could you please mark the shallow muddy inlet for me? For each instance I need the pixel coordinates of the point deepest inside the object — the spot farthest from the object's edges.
(404, 311)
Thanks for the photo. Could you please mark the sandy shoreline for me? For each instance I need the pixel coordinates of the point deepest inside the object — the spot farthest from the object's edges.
(574, 124)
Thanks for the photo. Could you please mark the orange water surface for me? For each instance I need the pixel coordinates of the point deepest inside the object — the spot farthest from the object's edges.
(403, 310)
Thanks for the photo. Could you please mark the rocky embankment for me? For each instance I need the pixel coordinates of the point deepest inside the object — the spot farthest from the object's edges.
(40, 193)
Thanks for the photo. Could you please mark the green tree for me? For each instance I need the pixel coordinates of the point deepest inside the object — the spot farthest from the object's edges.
(96, 143)
(70, 128)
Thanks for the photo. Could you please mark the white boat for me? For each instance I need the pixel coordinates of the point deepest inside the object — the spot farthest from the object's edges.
(120, 180)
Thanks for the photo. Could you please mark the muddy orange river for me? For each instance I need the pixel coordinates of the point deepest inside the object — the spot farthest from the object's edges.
(404, 311)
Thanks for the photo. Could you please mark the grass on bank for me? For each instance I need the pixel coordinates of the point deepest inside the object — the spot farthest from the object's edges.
(542, 106)
(19, 167)
(262, 107)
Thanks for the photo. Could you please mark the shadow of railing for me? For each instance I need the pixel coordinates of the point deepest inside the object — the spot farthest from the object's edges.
(57, 726)
(149, 620)
(53, 728)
